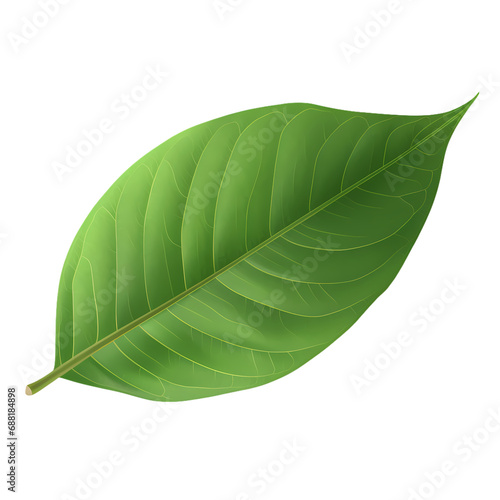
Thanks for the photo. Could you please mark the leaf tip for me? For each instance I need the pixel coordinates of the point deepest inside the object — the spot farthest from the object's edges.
(461, 110)
(471, 102)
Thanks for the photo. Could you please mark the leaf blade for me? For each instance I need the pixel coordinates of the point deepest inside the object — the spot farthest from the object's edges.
(288, 231)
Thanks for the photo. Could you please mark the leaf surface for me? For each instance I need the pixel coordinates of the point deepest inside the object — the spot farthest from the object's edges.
(237, 250)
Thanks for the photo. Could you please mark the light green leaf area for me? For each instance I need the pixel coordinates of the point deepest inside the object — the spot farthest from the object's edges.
(239, 249)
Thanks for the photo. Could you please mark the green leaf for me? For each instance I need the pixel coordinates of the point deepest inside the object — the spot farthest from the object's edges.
(239, 249)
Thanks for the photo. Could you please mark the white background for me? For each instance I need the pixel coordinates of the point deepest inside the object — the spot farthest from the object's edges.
(378, 444)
